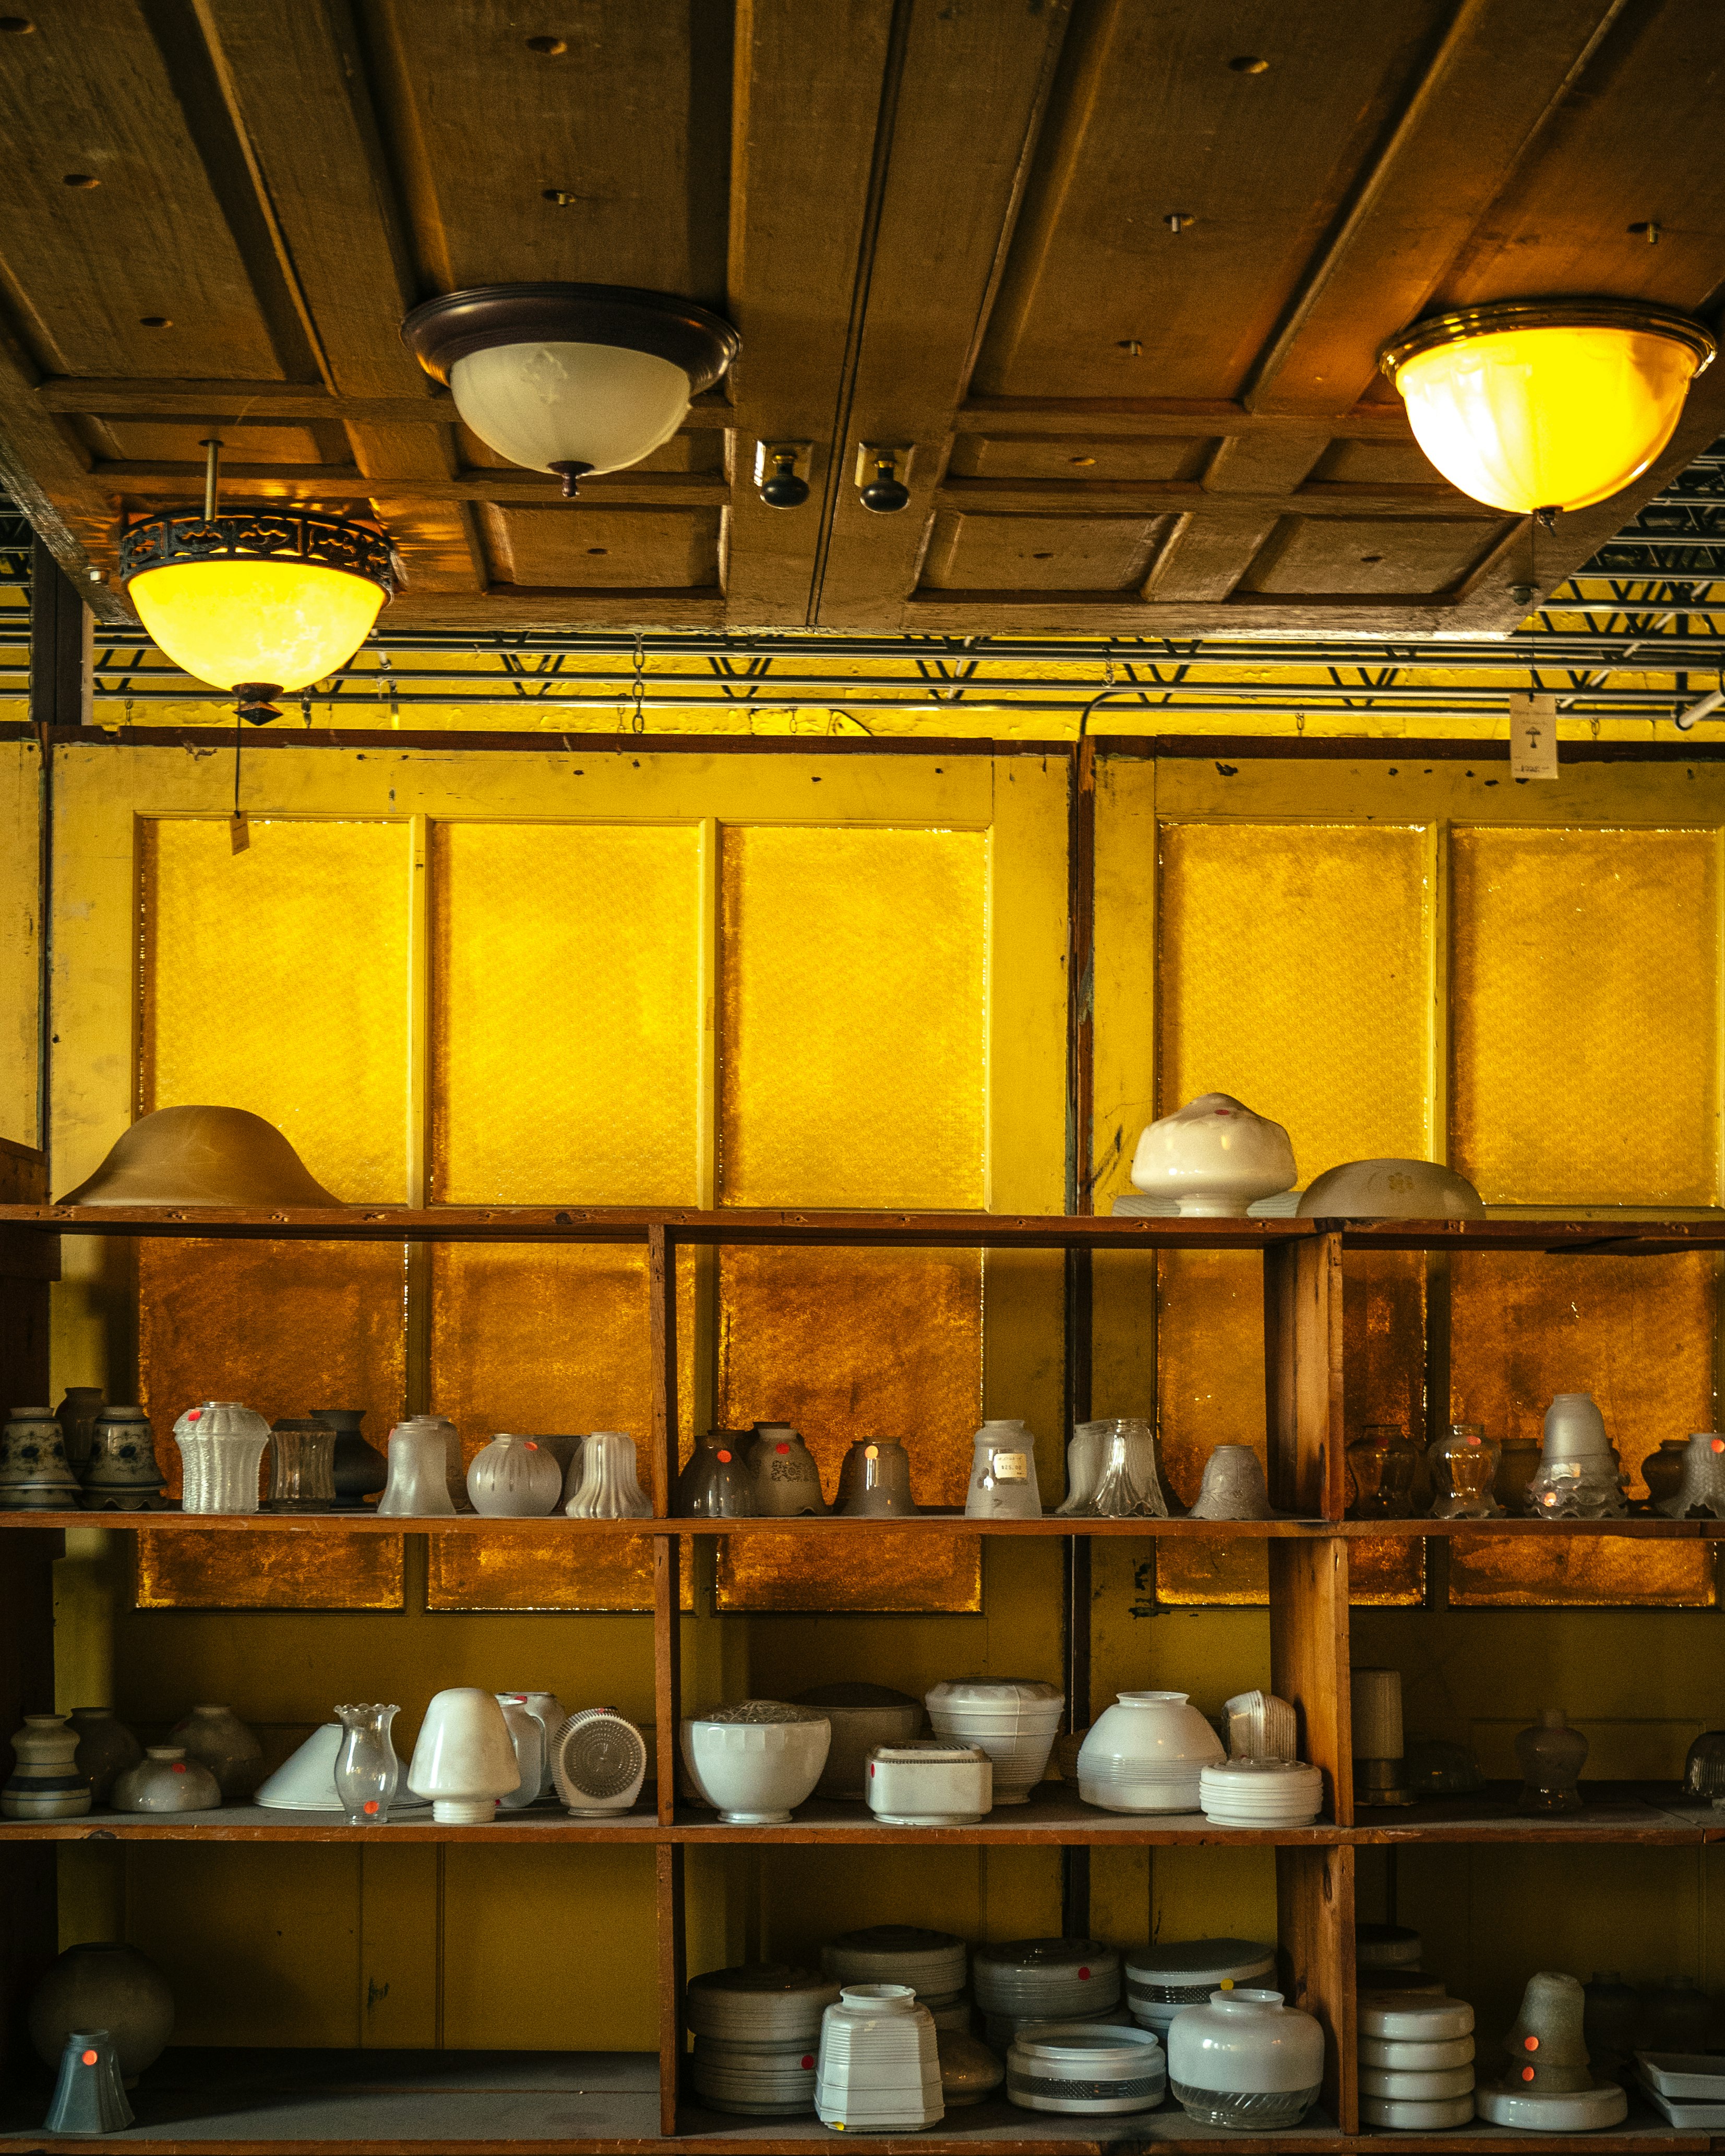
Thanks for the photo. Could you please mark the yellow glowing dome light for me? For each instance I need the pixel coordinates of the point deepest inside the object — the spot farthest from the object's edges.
(1538, 404)
(258, 602)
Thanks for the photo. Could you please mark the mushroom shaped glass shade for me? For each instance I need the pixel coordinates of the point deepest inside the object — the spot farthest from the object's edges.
(201, 1156)
(1528, 406)
(267, 619)
(595, 405)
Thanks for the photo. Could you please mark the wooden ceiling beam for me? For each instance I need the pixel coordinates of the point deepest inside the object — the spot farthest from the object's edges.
(295, 80)
(1500, 74)
(967, 109)
(260, 484)
(268, 403)
(1125, 614)
(1175, 419)
(1080, 497)
(806, 113)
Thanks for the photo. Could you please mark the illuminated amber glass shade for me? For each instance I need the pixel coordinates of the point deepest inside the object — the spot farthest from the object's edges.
(272, 620)
(1546, 417)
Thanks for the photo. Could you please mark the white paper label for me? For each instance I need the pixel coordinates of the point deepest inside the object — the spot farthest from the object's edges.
(1532, 734)
(1011, 1467)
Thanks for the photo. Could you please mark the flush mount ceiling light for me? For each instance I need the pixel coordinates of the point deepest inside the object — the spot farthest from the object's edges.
(571, 378)
(1546, 404)
(259, 601)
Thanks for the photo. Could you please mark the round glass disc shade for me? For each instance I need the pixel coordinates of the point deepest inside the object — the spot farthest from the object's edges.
(596, 404)
(1546, 418)
(285, 622)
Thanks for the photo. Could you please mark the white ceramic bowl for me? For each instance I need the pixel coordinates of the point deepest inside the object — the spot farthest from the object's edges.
(754, 1772)
(1145, 1755)
(1391, 1190)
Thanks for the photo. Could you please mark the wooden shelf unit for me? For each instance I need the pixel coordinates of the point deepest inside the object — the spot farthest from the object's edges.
(1307, 1555)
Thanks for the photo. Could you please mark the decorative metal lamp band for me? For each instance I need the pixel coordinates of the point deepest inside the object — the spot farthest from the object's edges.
(1467, 323)
(327, 542)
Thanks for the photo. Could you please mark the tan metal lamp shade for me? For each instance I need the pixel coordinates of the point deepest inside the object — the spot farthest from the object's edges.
(202, 1157)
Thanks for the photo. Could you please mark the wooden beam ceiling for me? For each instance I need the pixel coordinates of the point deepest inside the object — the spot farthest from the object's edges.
(1115, 273)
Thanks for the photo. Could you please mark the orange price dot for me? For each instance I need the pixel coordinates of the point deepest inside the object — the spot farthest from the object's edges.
(1527, 2073)
(90, 2058)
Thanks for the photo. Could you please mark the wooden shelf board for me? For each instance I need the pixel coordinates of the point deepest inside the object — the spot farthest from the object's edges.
(579, 1223)
(251, 2102)
(557, 1527)
(1055, 1817)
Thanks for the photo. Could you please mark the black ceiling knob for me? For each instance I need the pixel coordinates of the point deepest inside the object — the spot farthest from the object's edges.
(883, 493)
(784, 490)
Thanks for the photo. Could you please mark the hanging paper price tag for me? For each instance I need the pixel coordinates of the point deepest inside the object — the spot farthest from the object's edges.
(1532, 734)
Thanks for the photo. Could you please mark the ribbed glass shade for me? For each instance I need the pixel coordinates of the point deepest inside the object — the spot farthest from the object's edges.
(1546, 418)
(271, 620)
(597, 405)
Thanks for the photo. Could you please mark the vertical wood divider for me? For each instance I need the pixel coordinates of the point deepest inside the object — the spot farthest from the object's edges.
(662, 1299)
(667, 1668)
(1302, 1376)
(672, 1969)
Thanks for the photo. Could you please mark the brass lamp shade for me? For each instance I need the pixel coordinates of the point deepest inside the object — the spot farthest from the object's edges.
(202, 1157)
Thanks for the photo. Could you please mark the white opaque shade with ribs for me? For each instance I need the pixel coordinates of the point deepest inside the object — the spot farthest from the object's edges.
(544, 405)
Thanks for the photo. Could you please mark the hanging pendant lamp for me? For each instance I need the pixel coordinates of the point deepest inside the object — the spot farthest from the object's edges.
(571, 378)
(258, 602)
(1546, 404)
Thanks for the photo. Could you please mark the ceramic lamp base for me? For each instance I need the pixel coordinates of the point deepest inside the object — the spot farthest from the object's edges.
(1255, 2109)
(755, 1818)
(464, 1811)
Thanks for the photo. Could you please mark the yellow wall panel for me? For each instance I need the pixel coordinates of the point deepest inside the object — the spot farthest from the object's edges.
(567, 1024)
(276, 980)
(20, 938)
(549, 1950)
(855, 1016)
(1294, 975)
(327, 1570)
(1584, 986)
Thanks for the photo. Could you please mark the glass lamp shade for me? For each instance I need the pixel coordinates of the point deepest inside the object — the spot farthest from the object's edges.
(266, 618)
(1530, 407)
(544, 405)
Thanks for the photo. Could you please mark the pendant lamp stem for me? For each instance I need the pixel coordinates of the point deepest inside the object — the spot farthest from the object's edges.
(212, 474)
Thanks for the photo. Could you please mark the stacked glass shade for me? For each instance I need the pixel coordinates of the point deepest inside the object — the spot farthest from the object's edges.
(1021, 1981)
(1164, 1980)
(1416, 2062)
(756, 2034)
(931, 1964)
(1086, 2067)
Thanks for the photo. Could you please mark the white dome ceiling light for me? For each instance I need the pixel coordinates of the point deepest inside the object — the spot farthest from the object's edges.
(571, 378)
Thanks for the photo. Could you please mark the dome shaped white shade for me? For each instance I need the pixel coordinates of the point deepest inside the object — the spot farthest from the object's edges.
(539, 405)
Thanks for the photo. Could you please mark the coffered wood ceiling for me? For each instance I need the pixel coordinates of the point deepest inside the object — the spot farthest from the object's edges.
(938, 223)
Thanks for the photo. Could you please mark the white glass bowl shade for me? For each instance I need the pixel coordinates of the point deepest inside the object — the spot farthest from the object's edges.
(598, 1762)
(1390, 1190)
(759, 2003)
(754, 1772)
(514, 1478)
(544, 404)
(1245, 2059)
(1013, 1719)
(1213, 1158)
(933, 1964)
(1261, 1792)
(1164, 1980)
(1145, 1755)
(1086, 2067)
(757, 2080)
(879, 2066)
(464, 1759)
(1055, 1979)
(931, 1781)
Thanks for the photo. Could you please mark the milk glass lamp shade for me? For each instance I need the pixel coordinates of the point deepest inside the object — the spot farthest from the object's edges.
(264, 603)
(1530, 404)
(571, 378)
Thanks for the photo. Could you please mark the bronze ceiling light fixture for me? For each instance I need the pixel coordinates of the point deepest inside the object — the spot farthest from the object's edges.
(571, 378)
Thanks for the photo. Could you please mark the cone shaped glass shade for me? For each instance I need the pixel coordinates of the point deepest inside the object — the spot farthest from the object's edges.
(539, 405)
(1534, 416)
(265, 619)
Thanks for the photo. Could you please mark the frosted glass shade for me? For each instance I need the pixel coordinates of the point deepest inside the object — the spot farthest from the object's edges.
(546, 404)
(1535, 415)
(268, 619)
